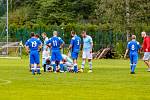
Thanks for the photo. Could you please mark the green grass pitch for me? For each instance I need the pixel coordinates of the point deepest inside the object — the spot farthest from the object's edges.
(110, 80)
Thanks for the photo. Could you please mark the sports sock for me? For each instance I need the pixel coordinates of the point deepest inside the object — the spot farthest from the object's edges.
(90, 65)
(75, 68)
(38, 69)
(61, 67)
(54, 67)
(133, 67)
(83, 64)
(47, 66)
(33, 70)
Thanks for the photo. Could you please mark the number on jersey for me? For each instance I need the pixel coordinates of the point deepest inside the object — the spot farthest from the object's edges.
(34, 44)
(54, 43)
(133, 47)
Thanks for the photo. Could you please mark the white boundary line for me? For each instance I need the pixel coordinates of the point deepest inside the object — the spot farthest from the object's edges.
(4, 82)
(1, 57)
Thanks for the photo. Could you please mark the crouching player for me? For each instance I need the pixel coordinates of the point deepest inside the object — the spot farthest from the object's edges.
(75, 48)
(32, 46)
(133, 47)
(56, 44)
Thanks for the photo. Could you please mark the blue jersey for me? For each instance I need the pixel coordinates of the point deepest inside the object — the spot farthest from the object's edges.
(55, 43)
(75, 42)
(33, 44)
(133, 46)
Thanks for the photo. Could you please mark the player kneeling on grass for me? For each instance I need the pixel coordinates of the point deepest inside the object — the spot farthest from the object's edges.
(33, 45)
(67, 62)
(56, 44)
(133, 47)
(87, 51)
(75, 48)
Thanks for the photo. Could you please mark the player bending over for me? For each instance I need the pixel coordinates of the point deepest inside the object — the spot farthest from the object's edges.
(133, 47)
(56, 44)
(75, 48)
(32, 46)
(87, 51)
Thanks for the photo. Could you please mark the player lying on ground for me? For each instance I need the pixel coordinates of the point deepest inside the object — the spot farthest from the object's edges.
(75, 49)
(67, 62)
(55, 43)
(33, 45)
(146, 49)
(87, 51)
(133, 47)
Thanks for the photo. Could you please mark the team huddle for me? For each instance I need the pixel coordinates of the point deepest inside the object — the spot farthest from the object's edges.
(54, 61)
(52, 55)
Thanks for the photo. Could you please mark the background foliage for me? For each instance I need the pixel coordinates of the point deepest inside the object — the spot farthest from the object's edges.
(102, 19)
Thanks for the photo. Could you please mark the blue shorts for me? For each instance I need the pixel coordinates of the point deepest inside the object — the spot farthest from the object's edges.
(34, 57)
(56, 56)
(133, 58)
(74, 55)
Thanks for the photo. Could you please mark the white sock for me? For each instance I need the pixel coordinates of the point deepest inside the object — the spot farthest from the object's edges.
(83, 63)
(90, 65)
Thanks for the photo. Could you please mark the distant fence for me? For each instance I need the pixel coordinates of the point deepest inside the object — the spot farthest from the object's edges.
(102, 39)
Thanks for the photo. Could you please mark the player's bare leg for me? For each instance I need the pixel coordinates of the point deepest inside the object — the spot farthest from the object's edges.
(148, 64)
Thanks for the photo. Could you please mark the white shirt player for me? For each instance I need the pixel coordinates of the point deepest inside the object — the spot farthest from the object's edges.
(87, 41)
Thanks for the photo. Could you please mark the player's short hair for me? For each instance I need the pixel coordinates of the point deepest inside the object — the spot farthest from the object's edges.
(55, 33)
(133, 36)
(37, 35)
(44, 34)
(143, 32)
(83, 32)
(73, 32)
(32, 34)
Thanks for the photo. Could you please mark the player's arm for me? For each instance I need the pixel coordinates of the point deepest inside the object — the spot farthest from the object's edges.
(39, 45)
(71, 44)
(48, 44)
(127, 50)
(27, 49)
(125, 55)
(91, 45)
(139, 47)
(27, 46)
(62, 43)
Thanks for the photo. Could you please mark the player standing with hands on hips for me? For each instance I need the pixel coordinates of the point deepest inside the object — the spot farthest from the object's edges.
(146, 49)
(33, 46)
(56, 43)
(133, 47)
(75, 49)
(87, 51)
